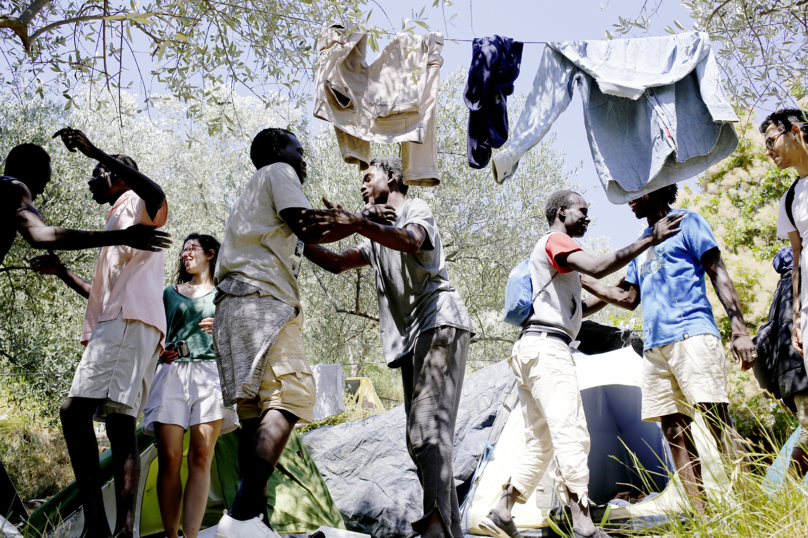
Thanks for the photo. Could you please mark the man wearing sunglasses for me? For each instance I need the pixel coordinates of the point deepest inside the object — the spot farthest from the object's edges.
(786, 132)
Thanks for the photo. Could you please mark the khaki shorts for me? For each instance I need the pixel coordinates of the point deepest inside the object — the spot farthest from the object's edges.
(677, 376)
(118, 366)
(801, 402)
(288, 382)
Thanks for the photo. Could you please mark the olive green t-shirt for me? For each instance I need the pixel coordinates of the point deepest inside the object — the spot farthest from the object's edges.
(182, 319)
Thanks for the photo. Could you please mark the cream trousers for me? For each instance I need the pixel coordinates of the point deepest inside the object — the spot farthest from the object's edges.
(556, 435)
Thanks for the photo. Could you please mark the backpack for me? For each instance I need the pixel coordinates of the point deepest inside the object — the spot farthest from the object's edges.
(790, 202)
(519, 294)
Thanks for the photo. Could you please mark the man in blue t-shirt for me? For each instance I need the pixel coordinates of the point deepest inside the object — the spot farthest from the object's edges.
(684, 365)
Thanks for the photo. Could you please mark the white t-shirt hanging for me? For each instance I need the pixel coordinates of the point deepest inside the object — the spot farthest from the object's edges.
(799, 209)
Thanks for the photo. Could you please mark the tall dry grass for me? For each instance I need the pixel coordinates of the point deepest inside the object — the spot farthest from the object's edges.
(35, 455)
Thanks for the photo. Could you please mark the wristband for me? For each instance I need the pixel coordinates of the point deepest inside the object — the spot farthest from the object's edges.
(739, 334)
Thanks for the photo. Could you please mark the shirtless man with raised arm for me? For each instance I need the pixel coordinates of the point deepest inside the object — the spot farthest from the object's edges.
(27, 173)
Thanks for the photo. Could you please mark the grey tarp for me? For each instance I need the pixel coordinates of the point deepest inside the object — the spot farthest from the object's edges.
(370, 474)
(366, 466)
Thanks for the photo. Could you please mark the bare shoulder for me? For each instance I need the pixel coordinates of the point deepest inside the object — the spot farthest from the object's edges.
(13, 192)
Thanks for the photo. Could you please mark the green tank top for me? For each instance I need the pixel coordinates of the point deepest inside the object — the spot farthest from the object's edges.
(182, 319)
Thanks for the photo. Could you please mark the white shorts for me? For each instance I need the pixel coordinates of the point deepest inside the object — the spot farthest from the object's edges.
(679, 375)
(118, 366)
(187, 394)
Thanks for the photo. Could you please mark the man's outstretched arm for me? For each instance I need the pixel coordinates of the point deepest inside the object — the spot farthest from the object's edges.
(592, 305)
(331, 261)
(50, 264)
(740, 343)
(605, 265)
(151, 193)
(33, 229)
(328, 225)
(624, 295)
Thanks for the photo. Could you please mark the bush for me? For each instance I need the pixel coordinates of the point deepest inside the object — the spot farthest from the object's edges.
(35, 455)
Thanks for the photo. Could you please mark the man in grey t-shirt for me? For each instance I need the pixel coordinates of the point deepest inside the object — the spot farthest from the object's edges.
(424, 324)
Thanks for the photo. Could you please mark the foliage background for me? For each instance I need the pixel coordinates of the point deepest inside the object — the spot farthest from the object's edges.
(487, 229)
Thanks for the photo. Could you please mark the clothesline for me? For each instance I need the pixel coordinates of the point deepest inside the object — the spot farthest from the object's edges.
(524, 42)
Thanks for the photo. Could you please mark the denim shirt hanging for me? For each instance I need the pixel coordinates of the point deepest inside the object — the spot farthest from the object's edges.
(495, 64)
(654, 108)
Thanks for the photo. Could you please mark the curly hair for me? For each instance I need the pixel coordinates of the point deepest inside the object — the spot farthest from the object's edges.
(391, 163)
(668, 194)
(785, 118)
(556, 201)
(208, 243)
(27, 161)
(267, 144)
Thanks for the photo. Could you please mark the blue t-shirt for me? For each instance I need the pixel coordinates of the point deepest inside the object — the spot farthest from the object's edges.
(671, 280)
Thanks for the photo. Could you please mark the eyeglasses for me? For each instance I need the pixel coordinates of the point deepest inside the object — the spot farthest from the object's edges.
(188, 250)
(771, 139)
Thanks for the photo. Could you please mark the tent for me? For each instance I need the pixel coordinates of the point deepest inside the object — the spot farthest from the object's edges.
(362, 392)
(366, 466)
(776, 475)
(627, 455)
(298, 499)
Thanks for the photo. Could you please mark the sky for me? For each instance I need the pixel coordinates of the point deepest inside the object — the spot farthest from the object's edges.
(541, 20)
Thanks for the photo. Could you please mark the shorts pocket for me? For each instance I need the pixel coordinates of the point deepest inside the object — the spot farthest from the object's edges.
(288, 366)
(340, 96)
(396, 111)
(297, 388)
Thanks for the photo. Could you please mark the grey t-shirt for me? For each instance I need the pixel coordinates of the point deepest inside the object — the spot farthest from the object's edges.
(413, 289)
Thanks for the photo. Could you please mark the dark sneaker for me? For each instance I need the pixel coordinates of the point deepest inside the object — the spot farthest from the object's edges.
(498, 527)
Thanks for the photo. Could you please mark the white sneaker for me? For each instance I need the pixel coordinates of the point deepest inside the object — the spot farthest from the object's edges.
(252, 528)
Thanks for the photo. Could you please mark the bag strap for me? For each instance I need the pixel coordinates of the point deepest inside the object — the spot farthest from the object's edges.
(790, 202)
(544, 287)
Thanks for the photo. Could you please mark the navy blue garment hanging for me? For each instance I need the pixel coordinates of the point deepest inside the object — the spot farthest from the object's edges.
(494, 67)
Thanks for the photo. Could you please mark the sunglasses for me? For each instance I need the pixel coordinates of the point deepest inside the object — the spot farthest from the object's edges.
(771, 139)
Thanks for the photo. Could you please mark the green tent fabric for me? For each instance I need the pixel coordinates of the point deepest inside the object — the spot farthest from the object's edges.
(298, 499)
(66, 502)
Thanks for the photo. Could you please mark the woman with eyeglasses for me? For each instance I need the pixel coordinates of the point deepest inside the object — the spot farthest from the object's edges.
(186, 392)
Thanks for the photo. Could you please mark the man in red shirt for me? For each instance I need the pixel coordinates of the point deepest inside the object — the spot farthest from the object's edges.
(556, 433)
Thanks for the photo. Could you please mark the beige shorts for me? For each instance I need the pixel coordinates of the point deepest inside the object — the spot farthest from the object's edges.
(118, 366)
(288, 382)
(679, 375)
(801, 402)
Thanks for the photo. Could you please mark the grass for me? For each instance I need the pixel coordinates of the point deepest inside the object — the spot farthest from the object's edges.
(748, 511)
(34, 455)
(747, 505)
(352, 412)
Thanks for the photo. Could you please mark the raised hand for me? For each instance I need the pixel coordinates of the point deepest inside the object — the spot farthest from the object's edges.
(666, 228)
(324, 221)
(381, 214)
(143, 237)
(76, 140)
(330, 205)
(46, 264)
